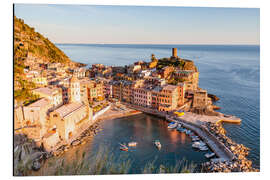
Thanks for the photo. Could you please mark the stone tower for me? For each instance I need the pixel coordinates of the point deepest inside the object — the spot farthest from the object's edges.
(75, 95)
(174, 53)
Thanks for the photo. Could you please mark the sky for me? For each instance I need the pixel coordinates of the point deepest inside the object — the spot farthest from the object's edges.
(84, 24)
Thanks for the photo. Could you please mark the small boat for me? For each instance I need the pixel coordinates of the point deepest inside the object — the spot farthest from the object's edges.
(179, 114)
(196, 146)
(202, 143)
(209, 155)
(195, 139)
(158, 144)
(199, 145)
(132, 144)
(188, 132)
(203, 148)
(172, 125)
(182, 130)
(123, 147)
(179, 127)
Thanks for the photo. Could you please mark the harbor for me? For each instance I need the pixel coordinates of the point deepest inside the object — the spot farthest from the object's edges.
(231, 157)
(141, 128)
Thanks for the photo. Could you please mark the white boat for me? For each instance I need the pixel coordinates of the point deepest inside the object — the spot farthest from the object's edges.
(158, 144)
(209, 155)
(199, 145)
(123, 147)
(132, 144)
(196, 146)
(195, 139)
(202, 143)
(203, 148)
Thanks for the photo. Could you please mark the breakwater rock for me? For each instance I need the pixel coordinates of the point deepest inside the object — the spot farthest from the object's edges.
(239, 163)
(213, 97)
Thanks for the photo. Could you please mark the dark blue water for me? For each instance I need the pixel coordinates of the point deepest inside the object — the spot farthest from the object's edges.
(230, 72)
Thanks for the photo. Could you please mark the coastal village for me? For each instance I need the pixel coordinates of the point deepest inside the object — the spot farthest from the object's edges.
(68, 99)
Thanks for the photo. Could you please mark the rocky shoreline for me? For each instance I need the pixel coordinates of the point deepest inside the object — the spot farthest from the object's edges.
(240, 163)
(88, 133)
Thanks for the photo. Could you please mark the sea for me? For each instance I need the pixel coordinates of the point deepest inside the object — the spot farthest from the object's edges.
(231, 72)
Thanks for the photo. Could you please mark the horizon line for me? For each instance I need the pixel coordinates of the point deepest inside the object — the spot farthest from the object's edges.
(156, 44)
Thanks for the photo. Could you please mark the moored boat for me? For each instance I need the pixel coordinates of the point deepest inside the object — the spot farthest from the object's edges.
(132, 144)
(203, 148)
(209, 155)
(172, 125)
(195, 139)
(200, 145)
(158, 144)
(123, 147)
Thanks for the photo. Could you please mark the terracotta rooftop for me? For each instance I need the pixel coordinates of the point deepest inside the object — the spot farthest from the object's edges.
(68, 108)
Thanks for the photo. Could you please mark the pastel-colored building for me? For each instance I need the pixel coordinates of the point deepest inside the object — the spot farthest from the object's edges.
(53, 94)
(79, 72)
(117, 90)
(165, 98)
(127, 91)
(182, 90)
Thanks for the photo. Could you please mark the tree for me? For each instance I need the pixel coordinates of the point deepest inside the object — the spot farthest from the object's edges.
(153, 57)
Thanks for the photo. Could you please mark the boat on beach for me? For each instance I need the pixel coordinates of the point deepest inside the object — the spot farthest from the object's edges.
(158, 144)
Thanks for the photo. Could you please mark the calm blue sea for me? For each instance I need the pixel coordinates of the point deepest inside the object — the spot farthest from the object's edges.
(232, 72)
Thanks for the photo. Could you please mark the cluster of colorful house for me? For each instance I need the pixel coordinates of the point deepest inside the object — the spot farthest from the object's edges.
(67, 96)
